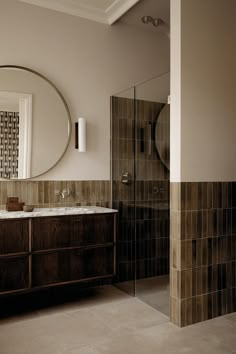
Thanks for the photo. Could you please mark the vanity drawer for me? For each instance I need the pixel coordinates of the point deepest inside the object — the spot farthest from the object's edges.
(91, 230)
(14, 236)
(74, 265)
(50, 233)
(72, 231)
(14, 273)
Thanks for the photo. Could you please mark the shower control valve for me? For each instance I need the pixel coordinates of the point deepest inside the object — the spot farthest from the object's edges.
(126, 178)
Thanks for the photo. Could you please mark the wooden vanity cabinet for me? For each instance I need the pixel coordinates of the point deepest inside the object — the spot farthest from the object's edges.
(72, 265)
(72, 231)
(48, 251)
(14, 255)
(14, 236)
(14, 273)
(50, 232)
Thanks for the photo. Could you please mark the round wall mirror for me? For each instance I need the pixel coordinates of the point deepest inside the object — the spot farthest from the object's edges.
(162, 135)
(35, 124)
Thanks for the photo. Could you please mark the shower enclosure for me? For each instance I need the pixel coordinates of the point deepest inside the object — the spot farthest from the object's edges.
(140, 140)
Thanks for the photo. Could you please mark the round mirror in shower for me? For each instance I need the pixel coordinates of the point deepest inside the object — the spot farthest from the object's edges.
(162, 135)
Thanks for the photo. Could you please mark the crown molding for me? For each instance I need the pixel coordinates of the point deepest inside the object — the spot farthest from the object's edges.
(118, 9)
(69, 7)
(109, 16)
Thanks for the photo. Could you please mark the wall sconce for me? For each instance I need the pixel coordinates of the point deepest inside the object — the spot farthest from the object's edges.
(80, 135)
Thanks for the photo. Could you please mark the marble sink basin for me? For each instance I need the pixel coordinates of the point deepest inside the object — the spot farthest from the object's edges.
(71, 209)
(42, 212)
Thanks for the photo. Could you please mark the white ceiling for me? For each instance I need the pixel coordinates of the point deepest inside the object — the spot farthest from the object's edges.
(154, 8)
(104, 11)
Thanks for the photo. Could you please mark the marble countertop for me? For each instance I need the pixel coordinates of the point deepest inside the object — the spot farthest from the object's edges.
(60, 211)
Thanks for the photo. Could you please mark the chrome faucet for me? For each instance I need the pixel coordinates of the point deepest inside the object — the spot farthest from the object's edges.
(64, 193)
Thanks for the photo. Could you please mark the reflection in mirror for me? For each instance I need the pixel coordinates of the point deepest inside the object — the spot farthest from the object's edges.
(34, 123)
(162, 135)
(16, 133)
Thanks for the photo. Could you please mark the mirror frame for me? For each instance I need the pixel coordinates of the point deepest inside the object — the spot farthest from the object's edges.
(156, 141)
(67, 111)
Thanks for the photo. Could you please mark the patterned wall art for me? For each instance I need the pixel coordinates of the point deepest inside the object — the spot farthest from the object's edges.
(9, 144)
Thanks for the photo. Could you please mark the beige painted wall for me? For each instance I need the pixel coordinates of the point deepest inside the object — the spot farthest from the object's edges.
(88, 62)
(207, 99)
(155, 90)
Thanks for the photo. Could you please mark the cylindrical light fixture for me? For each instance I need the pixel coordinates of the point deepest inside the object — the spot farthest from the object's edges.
(80, 135)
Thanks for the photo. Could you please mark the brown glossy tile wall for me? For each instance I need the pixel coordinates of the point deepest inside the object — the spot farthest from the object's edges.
(42, 193)
(203, 256)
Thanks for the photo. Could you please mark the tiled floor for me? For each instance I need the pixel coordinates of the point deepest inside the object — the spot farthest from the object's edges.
(111, 322)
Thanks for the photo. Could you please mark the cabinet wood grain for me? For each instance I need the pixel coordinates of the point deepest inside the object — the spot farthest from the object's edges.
(14, 273)
(91, 230)
(50, 232)
(67, 266)
(14, 236)
(74, 231)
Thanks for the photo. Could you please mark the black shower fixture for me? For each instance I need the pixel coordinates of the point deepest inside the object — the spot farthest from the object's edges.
(149, 19)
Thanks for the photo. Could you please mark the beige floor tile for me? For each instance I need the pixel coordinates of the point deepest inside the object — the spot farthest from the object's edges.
(52, 333)
(208, 337)
(109, 322)
(130, 314)
(125, 344)
(231, 317)
(87, 349)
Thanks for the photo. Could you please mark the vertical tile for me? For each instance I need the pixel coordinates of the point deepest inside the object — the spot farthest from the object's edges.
(40, 192)
(46, 192)
(188, 225)
(225, 198)
(194, 281)
(204, 195)
(199, 223)
(194, 309)
(188, 196)
(199, 281)
(209, 306)
(209, 195)
(186, 255)
(205, 252)
(3, 192)
(194, 196)
(199, 253)
(215, 195)
(205, 307)
(204, 279)
(189, 311)
(183, 196)
(183, 225)
(175, 311)
(205, 223)
(186, 283)
(194, 224)
(219, 222)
